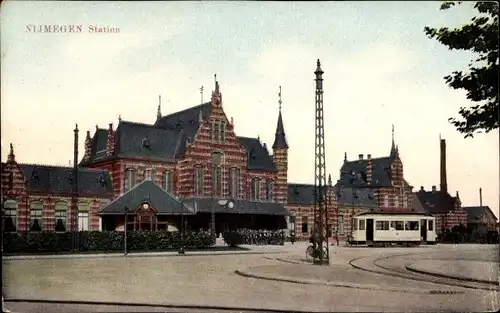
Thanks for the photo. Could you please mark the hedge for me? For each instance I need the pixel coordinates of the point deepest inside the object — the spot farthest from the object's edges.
(253, 237)
(96, 241)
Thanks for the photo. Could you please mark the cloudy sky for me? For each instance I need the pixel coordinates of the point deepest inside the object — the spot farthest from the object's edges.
(380, 69)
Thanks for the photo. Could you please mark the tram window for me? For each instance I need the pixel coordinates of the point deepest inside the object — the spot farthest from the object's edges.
(411, 225)
(397, 225)
(382, 225)
(361, 224)
(355, 223)
(431, 225)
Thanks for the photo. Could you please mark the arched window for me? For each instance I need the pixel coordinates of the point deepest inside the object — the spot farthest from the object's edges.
(61, 212)
(10, 213)
(83, 216)
(234, 183)
(129, 181)
(256, 188)
(269, 190)
(149, 174)
(199, 180)
(167, 181)
(36, 216)
(217, 159)
(386, 201)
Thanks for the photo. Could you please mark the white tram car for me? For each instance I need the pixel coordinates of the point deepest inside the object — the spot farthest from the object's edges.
(387, 228)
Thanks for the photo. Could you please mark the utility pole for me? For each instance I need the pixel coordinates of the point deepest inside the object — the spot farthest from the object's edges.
(320, 242)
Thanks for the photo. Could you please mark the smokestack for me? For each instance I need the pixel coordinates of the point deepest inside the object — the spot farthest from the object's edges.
(480, 197)
(444, 185)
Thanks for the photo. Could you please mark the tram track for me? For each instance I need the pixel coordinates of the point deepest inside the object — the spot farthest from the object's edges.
(392, 266)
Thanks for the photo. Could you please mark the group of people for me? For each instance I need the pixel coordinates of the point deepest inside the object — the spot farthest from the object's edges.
(262, 237)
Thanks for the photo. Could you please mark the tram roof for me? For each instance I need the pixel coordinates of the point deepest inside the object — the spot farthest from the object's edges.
(395, 213)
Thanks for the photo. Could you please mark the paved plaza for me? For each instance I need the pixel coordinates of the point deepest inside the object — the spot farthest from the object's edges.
(266, 278)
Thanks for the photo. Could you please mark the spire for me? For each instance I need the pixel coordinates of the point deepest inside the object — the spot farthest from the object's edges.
(394, 149)
(345, 157)
(200, 117)
(280, 137)
(158, 113)
(201, 93)
(216, 95)
(329, 179)
(11, 156)
(119, 118)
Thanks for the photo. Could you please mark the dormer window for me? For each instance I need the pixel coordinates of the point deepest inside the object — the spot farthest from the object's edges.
(145, 143)
(36, 177)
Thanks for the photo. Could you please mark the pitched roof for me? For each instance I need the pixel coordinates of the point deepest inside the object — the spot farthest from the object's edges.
(416, 205)
(147, 191)
(355, 172)
(205, 205)
(436, 202)
(280, 137)
(258, 156)
(303, 194)
(50, 178)
(474, 213)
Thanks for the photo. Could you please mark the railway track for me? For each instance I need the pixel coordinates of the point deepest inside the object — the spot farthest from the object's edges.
(395, 266)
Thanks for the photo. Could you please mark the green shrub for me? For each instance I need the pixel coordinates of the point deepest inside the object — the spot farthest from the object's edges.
(95, 241)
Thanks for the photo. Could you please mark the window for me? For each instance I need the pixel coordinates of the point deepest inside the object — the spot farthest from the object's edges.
(153, 175)
(167, 181)
(269, 191)
(36, 217)
(10, 212)
(397, 225)
(199, 178)
(217, 181)
(215, 131)
(129, 179)
(386, 200)
(61, 216)
(382, 225)
(405, 201)
(411, 225)
(223, 131)
(355, 224)
(362, 225)
(431, 225)
(304, 224)
(256, 188)
(234, 184)
(83, 216)
(148, 174)
(396, 201)
(341, 225)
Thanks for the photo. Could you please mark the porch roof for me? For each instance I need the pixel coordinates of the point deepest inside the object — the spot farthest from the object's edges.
(204, 205)
(146, 192)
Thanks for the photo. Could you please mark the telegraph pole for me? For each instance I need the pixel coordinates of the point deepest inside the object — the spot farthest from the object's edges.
(320, 243)
(75, 192)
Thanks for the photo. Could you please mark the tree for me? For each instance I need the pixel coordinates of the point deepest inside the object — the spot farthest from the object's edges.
(481, 81)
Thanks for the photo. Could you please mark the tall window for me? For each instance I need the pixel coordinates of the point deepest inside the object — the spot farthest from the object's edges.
(396, 201)
(269, 190)
(304, 224)
(129, 179)
(405, 201)
(256, 188)
(223, 131)
(167, 181)
(36, 217)
(83, 216)
(216, 131)
(386, 201)
(341, 225)
(147, 174)
(61, 216)
(10, 211)
(217, 180)
(199, 180)
(234, 184)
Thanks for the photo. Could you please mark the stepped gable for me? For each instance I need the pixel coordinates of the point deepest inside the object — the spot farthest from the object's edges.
(59, 179)
(258, 156)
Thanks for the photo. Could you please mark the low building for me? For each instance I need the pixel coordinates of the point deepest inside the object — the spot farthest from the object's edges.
(481, 219)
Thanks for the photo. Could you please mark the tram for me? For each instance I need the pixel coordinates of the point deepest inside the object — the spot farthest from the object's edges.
(390, 228)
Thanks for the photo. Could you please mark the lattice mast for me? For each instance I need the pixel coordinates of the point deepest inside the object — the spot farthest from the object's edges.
(320, 204)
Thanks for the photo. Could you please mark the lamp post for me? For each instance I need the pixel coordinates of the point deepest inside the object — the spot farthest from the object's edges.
(216, 160)
(125, 224)
(183, 227)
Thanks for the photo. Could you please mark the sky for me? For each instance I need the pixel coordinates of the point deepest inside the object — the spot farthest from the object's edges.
(380, 70)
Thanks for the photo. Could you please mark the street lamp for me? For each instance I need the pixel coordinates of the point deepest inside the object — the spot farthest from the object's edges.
(216, 160)
(125, 224)
(183, 227)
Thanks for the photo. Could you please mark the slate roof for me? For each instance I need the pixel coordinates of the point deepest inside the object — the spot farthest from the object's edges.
(258, 156)
(416, 205)
(303, 194)
(474, 213)
(205, 205)
(49, 178)
(280, 137)
(436, 202)
(166, 139)
(381, 172)
(147, 191)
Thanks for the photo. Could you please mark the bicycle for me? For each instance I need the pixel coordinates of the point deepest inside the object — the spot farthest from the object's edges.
(311, 254)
